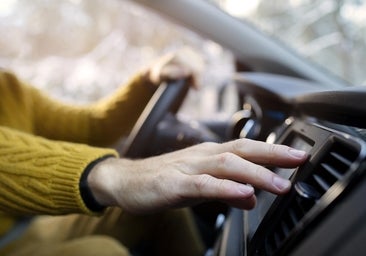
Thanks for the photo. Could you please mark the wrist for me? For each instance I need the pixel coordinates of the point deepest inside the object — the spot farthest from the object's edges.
(88, 192)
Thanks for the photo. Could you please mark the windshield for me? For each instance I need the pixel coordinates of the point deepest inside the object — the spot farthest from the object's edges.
(331, 33)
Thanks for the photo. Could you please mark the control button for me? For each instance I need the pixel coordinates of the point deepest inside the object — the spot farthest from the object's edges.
(306, 191)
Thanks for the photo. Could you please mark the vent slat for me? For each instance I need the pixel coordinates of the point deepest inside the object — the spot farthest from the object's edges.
(334, 172)
(341, 158)
(277, 240)
(321, 182)
(299, 210)
(293, 217)
(285, 229)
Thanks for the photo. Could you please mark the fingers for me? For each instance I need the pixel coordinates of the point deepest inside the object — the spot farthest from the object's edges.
(232, 167)
(258, 152)
(174, 72)
(183, 64)
(267, 154)
(210, 188)
(155, 71)
(222, 171)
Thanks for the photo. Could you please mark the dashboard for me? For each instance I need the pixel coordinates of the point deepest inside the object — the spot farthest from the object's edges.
(324, 212)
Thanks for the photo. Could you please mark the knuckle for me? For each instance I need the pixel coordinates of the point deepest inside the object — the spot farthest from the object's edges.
(204, 147)
(238, 146)
(244, 143)
(272, 149)
(241, 146)
(275, 153)
(208, 145)
(202, 182)
(225, 160)
(262, 177)
(221, 186)
(258, 174)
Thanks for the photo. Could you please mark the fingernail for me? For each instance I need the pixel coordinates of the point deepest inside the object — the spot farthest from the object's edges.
(280, 183)
(297, 153)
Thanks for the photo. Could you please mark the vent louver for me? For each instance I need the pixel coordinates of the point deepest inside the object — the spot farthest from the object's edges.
(332, 167)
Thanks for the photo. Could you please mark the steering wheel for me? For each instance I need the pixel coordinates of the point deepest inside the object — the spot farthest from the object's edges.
(167, 98)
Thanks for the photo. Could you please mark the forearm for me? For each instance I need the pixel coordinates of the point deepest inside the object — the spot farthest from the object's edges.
(39, 176)
(99, 124)
(114, 116)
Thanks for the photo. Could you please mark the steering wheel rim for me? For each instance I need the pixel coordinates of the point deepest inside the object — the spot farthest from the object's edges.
(167, 98)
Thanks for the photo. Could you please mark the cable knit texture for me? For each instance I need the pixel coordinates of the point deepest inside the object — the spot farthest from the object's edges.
(39, 170)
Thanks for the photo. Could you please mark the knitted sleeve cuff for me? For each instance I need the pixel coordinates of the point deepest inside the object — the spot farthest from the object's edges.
(85, 191)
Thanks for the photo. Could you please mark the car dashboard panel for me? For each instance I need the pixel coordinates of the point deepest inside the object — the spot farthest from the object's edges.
(335, 165)
(323, 212)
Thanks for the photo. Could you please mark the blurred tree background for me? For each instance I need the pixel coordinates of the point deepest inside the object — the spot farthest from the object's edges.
(81, 50)
(331, 33)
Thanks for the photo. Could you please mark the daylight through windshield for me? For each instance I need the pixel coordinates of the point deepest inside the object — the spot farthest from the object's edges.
(331, 33)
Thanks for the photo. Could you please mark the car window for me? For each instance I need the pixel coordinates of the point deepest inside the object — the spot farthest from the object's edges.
(330, 33)
(81, 50)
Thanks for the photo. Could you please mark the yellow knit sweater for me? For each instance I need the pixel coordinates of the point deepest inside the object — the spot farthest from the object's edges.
(45, 145)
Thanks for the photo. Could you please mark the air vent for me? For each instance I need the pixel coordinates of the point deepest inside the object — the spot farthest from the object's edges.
(289, 220)
(333, 166)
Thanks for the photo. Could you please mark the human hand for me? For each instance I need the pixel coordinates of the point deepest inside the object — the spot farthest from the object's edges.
(207, 171)
(181, 64)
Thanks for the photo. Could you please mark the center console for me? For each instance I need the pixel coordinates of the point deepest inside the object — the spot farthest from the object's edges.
(324, 212)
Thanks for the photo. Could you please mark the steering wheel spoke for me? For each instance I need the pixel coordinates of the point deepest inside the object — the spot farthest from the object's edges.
(167, 99)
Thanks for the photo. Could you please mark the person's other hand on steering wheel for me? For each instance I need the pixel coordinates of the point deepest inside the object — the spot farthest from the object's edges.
(180, 64)
(175, 72)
